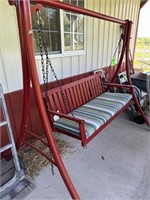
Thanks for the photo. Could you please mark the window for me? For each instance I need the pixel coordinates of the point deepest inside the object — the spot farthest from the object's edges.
(50, 29)
(73, 28)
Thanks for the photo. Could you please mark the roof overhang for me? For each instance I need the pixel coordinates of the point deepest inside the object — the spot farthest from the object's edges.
(143, 2)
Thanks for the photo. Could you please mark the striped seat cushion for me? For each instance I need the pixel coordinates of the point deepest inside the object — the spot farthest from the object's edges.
(95, 113)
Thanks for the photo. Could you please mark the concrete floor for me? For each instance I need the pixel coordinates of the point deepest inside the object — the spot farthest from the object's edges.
(114, 166)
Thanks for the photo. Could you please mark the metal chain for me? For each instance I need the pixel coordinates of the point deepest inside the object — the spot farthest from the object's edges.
(45, 72)
(48, 63)
(131, 62)
(116, 49)
(120, 46)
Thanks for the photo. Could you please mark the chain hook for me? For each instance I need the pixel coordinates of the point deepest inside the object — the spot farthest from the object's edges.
(39, 20)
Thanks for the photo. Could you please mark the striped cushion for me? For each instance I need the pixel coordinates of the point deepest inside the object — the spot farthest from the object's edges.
(95, 113)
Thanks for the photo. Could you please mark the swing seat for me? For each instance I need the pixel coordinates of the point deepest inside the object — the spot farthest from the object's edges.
(94, 113)
(90, 109)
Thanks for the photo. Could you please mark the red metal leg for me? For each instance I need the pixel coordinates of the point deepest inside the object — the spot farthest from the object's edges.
(26, 81)
(128, 73)
(29, 65)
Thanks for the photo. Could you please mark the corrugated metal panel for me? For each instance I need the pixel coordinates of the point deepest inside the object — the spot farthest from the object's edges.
(82, 67)
(101, 39)
(3, 77)
(102, 36)
(10, 49)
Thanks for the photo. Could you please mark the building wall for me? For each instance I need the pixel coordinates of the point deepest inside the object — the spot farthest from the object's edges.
(105, 35)
(10, 60)
(101, 39)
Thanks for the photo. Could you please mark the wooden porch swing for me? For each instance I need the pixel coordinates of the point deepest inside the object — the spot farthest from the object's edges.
(90, 106)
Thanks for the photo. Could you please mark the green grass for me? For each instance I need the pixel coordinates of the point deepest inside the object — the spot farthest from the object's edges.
(141, 47)
(141, 54)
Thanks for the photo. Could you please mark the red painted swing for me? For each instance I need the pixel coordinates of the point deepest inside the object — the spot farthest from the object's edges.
(91, 87)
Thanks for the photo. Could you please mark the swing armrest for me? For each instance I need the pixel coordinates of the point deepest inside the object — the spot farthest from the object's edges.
(130, 87)
(65, 116)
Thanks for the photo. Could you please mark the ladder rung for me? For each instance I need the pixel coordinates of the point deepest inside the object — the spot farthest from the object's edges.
(3, 123)
(4, 148)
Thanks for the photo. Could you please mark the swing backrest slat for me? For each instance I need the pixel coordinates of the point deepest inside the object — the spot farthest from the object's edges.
(73, 95)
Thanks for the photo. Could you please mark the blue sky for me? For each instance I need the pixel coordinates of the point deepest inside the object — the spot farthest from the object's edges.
(144, 21)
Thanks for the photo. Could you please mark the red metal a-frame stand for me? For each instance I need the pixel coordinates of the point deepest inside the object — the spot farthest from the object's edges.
(30, 74)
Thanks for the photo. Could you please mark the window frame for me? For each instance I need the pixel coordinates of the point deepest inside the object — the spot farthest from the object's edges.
(70, 52)
(35, 30)
(62, 52)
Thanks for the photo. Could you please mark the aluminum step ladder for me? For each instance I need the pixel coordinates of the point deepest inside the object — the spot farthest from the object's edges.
(19, 175)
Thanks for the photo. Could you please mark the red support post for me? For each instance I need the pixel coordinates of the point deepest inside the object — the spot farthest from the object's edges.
(26, 80)
(122, 54)
(28, 37)
(128, 73)
(29, 65)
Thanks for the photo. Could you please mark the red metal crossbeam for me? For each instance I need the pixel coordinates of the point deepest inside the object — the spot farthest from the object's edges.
(69, 7)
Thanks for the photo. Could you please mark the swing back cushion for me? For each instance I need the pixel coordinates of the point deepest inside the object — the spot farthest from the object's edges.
(81, 109)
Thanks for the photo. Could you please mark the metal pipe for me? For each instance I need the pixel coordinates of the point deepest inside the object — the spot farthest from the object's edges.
(41, 152)
(129, 77)
(26, 80)
(121, 56)
(24, 7)
(127, 52)
(73, 8)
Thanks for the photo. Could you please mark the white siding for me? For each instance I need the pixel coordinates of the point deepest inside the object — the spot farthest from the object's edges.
(101, 39)
(10, 60)
(103, 36)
